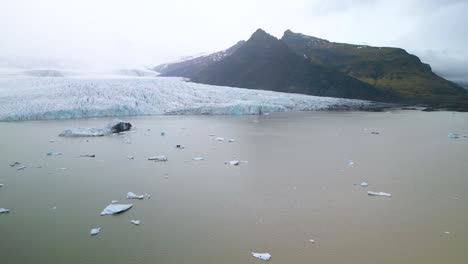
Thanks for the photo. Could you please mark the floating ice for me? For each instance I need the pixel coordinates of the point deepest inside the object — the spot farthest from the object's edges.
(198, 158)
(311, 241)
(115, 208)
(453, 197)
(158, 158)
(51, 153)
(114, 201)
(21, 168)
(364, 184)
(130, 157)
(233, 162)
(34, 98)
(1, 184)
(453, 135)
(379, 194)
(231, 140)
(14, 164)
(115, 126)
(131, 195)
(350, 163)
(263, 256)
(4, 210)
(95, 231)
(219, 139)
(135, 222)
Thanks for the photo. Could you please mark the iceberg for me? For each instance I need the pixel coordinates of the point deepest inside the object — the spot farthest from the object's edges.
(158, 158)
(379, 194)
(131, 195)
(38, 98)
(262, 256)
(4, 210)
(95, 231)
(135, 222)
(115, 208)
(113, 127)
(198, 158)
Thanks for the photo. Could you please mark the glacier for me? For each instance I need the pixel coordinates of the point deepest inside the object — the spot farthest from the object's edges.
(81, 96)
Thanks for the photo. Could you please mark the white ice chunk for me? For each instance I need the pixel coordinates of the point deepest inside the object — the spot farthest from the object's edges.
(350, 163)
(219, 139)
(379, 194)
(115, 208)
(158, 158)
(131, 195)
(135, 222)
(4, 210)
(198, 158)
(364, 184)
(114, 201)
(130, 157)
(233, 162)
(21, 168)
(453, 135)
(53, 153)
(95, 231)
(263, 256)
(231, 140)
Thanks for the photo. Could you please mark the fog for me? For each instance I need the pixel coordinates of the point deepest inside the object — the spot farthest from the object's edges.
(116, 34)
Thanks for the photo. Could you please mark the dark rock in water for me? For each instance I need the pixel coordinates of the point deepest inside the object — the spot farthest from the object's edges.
(121, 127)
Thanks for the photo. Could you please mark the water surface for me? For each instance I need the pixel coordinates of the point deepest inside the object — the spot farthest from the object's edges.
(296, 186)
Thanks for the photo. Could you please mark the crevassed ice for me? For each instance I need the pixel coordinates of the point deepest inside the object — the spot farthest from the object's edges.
(33, 98)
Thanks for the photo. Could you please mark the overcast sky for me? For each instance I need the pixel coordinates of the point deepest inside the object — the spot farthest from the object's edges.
(130, 33)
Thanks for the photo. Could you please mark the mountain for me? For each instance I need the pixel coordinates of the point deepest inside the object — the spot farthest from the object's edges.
(386, 68)
(191, 67)
(266, 63)
(297, 63)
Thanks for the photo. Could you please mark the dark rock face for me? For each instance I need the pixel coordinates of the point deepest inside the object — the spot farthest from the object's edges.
(121, 127)
(266, 63)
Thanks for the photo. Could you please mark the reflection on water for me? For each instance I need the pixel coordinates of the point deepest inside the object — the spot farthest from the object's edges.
(298, 185)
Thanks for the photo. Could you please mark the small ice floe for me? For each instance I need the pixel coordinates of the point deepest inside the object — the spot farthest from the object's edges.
(88, 156)
(54, 208)
(375, 133)
(350, 163)
(53, 153)
(130, 157)
(262, 256)
(362, 184)
(198, 158)
(95, 231)
(219, 139)
(148, 196)
(131, 195)
(211, 135)
(180, 147)
(115, 208)
(453, 135)
(158, 158)
(233, 162)
(311, 241)
(114, 201)
(453, 197)
(231, 140)
(4, 210)
(135, 222)
(63, 168)
(1, 184)
(14, 164)
(379, 194)
(21, 168)
(447, 232)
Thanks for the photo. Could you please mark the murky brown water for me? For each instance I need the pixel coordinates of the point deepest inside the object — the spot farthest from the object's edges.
(296, 186)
